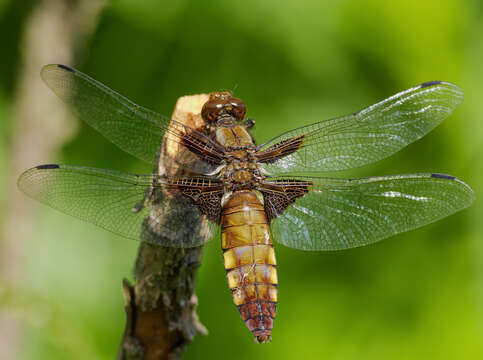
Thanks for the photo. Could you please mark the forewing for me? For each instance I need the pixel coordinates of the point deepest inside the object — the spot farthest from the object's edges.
(364, 137)
(119, 202)
(135, 129)
(338, 214)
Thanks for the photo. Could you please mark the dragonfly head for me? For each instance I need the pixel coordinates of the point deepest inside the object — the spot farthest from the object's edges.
(222, 107)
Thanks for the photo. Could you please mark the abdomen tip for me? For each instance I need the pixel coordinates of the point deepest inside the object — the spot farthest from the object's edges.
(264, 338)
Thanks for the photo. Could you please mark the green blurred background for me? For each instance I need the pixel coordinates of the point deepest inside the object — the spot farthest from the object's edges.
(417, 295)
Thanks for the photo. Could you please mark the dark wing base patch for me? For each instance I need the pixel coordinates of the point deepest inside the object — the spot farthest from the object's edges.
(279, 194)
(207, 152)
(279, 150)
(206, 195)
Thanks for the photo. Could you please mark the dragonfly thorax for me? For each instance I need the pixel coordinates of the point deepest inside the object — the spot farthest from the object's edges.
(234, 137)
(240, 174)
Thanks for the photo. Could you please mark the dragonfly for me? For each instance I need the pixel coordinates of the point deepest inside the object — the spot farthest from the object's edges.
(255, 194)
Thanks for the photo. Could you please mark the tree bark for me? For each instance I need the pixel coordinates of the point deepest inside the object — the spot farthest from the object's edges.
(161, 307)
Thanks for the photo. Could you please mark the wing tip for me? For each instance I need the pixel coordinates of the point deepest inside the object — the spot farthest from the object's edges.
(25, 177)
(441, 83)
(469, 190)
(430, 83)
(47, 166)
(65, 67)
(438, 82)
(455, 95)
(442, 176)
(46, 69)
(58, 66)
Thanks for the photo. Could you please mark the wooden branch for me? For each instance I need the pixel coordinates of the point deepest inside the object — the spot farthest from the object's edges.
(161, 307)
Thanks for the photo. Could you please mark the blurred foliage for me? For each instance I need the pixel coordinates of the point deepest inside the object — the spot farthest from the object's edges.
(417, 295)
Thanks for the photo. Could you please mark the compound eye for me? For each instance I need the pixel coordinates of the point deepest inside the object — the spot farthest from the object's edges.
(211, 110)
(239, 109)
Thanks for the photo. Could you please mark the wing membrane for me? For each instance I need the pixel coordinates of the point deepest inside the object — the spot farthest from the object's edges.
(339, 214)
(135, 129)
(366, 136)
(117, 201)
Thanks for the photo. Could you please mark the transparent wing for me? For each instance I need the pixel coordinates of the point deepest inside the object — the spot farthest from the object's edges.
(364, 137)
(116, 201)
(339, 214)
(136, 130)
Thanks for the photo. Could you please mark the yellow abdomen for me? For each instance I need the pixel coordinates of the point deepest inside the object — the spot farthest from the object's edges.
(250, 261)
